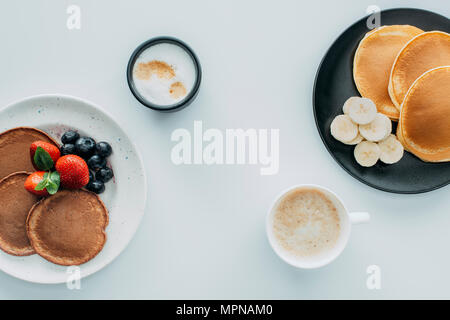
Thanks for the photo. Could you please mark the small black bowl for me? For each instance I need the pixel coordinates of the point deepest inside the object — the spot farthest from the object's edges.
(180, 104)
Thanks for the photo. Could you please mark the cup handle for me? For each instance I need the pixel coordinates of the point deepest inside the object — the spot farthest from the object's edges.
(359, 217)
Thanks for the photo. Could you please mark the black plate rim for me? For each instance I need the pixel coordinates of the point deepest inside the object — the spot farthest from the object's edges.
(317, 122)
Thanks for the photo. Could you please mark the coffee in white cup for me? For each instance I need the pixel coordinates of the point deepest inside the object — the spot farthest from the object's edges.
(306, 222)
(308, 226)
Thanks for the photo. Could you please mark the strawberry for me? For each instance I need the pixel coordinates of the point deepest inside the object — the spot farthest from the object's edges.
(44, 155)
(42, 183)
(33, 180)
(73, 171)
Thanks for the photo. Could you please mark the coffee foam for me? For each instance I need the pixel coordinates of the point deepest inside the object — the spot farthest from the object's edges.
(164, 74)
(306, 223)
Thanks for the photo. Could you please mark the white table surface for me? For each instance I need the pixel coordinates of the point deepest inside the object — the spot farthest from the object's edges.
(203, 232)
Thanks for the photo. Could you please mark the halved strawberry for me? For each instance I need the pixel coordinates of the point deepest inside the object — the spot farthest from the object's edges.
(41, 159)
(73, 171)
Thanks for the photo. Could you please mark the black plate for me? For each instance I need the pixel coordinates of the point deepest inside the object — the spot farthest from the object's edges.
(334, 84)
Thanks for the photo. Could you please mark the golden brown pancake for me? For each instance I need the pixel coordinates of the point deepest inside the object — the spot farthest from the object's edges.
(424, 125)
(15, 203)
(68, 228)
(422, 53)
(373, 62)
(15, 149)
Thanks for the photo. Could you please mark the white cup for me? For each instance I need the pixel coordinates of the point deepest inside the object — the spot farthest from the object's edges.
(325, 257)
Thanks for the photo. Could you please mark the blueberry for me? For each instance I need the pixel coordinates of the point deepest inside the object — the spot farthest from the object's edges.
(70, 137)
(91, 176)
(96, 186)
(104, 174)
(85, 147)
(96, 162)
(104, 149)
(68, 148)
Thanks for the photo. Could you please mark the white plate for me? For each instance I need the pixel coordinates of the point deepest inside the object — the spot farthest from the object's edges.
(125, 195)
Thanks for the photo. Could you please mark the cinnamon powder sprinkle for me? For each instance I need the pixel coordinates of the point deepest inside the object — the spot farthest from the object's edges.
(177, 90)
(161, 69)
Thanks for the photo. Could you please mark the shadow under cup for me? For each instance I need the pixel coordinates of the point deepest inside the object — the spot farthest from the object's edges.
(323, 258)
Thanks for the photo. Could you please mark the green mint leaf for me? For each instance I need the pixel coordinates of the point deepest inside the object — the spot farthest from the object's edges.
(55, 180)
(42, 159)
(55, 176)
(52, 188)
(43, 183)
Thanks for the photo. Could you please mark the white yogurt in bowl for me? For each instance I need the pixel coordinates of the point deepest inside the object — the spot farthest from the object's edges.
(164, 74)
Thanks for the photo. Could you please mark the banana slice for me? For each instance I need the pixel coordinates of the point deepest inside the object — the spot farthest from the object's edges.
(367, 153)
(391, 150)
(350, 101)
(361, 110)
(343, 129)
(376, 130)
(357, 140)
(388, 133)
